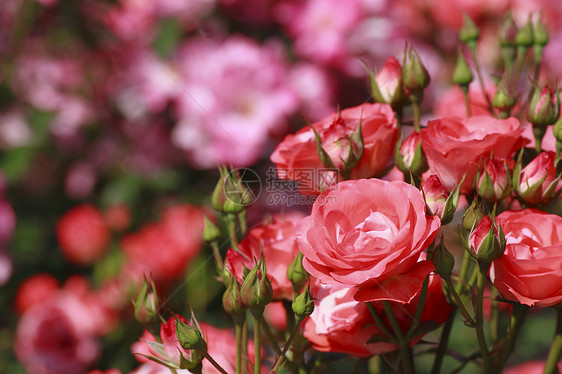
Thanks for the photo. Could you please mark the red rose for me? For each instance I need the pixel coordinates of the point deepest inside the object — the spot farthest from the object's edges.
(369, 234)
(298, 152)
(455, 147)
(530, 270)
(82, 234)
(278, 242)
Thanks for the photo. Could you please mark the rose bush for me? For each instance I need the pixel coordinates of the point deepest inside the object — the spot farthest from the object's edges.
(530, 270)
(297, 152)
(369, 234)
(455, 147)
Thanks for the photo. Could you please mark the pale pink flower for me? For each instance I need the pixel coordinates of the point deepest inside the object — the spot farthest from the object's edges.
(236, 95)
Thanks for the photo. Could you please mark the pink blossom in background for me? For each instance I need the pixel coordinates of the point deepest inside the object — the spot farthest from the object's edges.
(165, 248)
(14, 129)
(237, 94)
(320, 28)
(532, 367)
(57, 337)
(451, 102)
(315, 89)
(80, 180)
(35, 290)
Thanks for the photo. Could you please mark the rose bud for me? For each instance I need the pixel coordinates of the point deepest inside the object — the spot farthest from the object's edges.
(190, 337)
(211, 232)
(469, 33)
(296, 273)
(338, 147)
(506, 35)
(438, 200)
(472, 216)
(386, 86)
(256, 290)
(486, 241)
(232, 300)
(540, 40)
(537, 182)
(544, 108)
(443, 261)
(303, 304)
(462, 74)
(146, 305)
(414, 74)
(494, 183)
(504, 99)
(524, 37)
(410, 158)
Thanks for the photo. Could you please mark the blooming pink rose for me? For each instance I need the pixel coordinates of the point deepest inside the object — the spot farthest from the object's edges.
(278, 242)
(82, 234)
(455, 147)
(530, 270)
(369, 234)
(298, 151)
(56, 337)
(339, 323)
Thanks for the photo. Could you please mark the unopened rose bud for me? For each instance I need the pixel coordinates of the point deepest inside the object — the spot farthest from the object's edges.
(537, 182)
(414, 75)
(303, 304)
(297, 274)
(211, 232)
(462, 74)
(232, 299)
(443, 261)
(469, 33)
(472, 216)
(147, 303)
(219, 195)
(410, 158)
(557, 132)
(540, 40)
(386, 86)
(438, 200)
(507, 32)
(486, 241)
(504, 99)
(256, 290)
(544, 108)
(524, 37)
(190, 337)
(238, 197)
(494, 182)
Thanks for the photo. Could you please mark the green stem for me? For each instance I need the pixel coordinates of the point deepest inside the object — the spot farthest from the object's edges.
(443, 343)
(494, 318)
(217, 255)
(257, 345)
(245, 347)
(481, 81)
(406, 362)
(231, 226)
(466, 100)
(416, 103)
(417, 316)
(464, 269)
(239, 348)
(480, 319)
(380, 323)
(281, 358)
(520, 313)
(521, 52)
(270, 335)
(458, 302)
(556, 347)
(213, 362)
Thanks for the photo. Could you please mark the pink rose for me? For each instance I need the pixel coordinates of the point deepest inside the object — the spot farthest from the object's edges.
(530, 270)
(298, 152)
(538, 181)
(369, 234)
(277, 240)
(339, 323)
(455, 147)
(56, 337)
